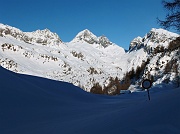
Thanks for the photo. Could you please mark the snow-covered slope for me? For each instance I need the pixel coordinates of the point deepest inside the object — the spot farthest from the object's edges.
(84, 61)
(33, 105)
(160, 55)
(87, 59)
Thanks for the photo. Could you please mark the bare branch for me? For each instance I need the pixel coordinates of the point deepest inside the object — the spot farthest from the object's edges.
(172, 19)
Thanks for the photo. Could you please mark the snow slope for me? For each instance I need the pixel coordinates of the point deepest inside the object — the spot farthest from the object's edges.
(87, 59)
(33, 105)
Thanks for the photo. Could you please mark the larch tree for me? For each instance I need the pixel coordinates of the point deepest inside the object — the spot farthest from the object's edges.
(172, 19)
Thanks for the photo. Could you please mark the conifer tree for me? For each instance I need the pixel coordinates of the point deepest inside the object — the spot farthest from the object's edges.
(172, 19)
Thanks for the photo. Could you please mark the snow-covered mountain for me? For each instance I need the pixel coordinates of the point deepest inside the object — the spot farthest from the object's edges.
(44, 37)
(87, 60)
(84, 61)
(90, 38)
(156, 37)
(160, 49)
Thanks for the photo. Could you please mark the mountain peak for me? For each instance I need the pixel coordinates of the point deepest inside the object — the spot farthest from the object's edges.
(136, 42)
(86, 31)
(159, 36)
(155, 37)
(86, 36)
(162, 32)
(6, 29)
(104, 41)
(44, 36)
(44, 31)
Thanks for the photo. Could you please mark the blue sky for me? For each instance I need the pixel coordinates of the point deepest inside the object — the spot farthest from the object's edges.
(119, 20)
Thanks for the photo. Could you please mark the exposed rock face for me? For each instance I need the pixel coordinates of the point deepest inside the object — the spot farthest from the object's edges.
(136, 43)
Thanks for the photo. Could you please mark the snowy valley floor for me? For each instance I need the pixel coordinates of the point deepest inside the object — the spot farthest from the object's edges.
(33, 105)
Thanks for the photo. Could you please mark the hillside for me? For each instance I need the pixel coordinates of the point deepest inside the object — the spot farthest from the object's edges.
(89, 61)
(33, 105)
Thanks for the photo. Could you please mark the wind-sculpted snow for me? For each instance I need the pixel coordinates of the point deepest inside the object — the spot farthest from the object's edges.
(34, 105)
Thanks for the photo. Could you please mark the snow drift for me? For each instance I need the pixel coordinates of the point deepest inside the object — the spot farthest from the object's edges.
(34, 105)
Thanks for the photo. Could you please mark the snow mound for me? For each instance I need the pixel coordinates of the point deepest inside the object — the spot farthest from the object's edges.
(33, 105)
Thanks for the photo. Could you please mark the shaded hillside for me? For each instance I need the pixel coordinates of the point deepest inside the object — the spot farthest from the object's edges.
(33, 105)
